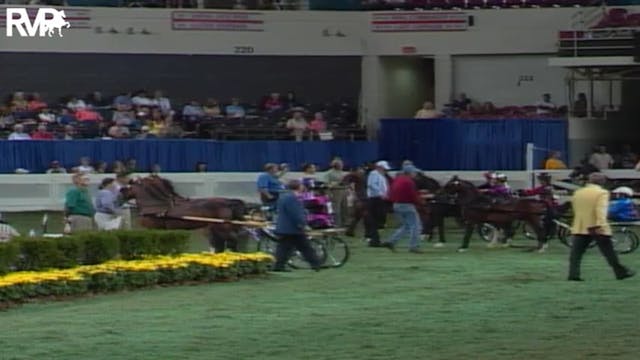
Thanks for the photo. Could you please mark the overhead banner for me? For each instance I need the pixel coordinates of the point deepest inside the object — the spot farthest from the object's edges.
(217, 21)
(77, 18)
(419, 21)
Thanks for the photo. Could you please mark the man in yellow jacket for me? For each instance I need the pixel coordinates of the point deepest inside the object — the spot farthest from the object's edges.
(590, 205)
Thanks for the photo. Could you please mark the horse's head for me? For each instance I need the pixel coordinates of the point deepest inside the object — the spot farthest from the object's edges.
(424, 182)
(132, 190)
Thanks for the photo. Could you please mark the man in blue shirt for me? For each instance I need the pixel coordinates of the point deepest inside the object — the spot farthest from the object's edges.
(269, 186)
(377, 195)
(290, 227)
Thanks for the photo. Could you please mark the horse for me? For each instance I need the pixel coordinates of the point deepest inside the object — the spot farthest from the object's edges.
(476, 209)
(434, 211)
(357, 180)
(160, 207)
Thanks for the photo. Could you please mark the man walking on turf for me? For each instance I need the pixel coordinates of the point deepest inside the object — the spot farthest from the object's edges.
(404, 195)
(291, 224)
(590, 205)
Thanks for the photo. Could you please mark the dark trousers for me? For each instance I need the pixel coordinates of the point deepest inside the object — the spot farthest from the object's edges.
(300, 242)
(580, 245)
(375, 218)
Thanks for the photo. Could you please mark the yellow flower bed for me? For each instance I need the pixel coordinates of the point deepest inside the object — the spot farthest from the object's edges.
(120, 274)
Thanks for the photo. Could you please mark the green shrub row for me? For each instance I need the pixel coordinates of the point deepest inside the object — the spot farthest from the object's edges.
(38, 253)
(128, 280)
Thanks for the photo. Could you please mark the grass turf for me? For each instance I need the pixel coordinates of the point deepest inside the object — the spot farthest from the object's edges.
(484, 304)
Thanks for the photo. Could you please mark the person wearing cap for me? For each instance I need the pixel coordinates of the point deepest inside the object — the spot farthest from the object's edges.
(291, 224)
(500, 187)
(404, 195)
(544, 192)
(108, 212)
(622, 208)
(590, 205)
(338, 192)
(377, 195)
(268, 184)
(6, 231)
(490, 180)
(79, 210)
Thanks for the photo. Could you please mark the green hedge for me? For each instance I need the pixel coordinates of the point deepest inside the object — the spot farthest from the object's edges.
(36, 253)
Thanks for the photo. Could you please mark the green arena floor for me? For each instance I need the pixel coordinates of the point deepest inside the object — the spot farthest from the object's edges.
(484, 304)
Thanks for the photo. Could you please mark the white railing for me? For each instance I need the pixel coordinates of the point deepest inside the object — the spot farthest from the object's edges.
(46, 192)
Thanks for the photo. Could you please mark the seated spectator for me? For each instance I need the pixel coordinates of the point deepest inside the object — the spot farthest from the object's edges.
(193, 109)
(554, 162)
(298, 125)
(74, 104)
(141, 99)
(627, 159)
(428, 111)
(87, 114)
(100, 167)
(6, 119)
(142, 115)
(273, 103)
(318, 125)
(212, 108)
(46, 115)
(162, 102)
(95, 100)
(118, 131)
(201, 166)
(36, 104)
(55, 168)
(69, 133)
(580, 106)
(123, 117)
(173, 130)
(488, 108)
(545, 106)
(85, 166)
(291, 101)
(123, 102)
(145, 133)
(601, 159)
(18, 102)
(66, 117)
(235, 110)
(41, 133)
(18, 133)
(157, 124)
(118, 167)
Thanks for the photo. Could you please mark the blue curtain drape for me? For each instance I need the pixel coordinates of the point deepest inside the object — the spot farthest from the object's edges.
(182, 155)
(452, 144)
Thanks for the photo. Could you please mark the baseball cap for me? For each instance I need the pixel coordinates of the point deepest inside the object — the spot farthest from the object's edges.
(409, 169)
(383, 164)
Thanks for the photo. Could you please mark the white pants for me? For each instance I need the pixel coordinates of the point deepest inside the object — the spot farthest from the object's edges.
(107, 221)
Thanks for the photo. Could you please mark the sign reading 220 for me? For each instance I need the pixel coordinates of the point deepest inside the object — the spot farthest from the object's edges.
(243, 50)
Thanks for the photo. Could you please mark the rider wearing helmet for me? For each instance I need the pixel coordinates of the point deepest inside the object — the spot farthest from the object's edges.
(500, 188)
(622, 208)
(490, 180)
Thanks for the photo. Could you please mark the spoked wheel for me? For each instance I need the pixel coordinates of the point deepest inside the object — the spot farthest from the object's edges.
(267, 242)
(528, 232)
(297, 261)
(625, 241)
(337, 251)
(487, 232)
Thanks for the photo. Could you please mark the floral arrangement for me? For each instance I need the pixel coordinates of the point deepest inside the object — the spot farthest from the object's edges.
(115, 275)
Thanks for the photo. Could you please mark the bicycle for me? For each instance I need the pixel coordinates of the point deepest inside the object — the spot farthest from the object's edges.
(336, 249)
(267, 241)
(624, 239)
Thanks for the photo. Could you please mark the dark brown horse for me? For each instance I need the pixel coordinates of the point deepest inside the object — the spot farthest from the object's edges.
(476, 209)
(160, 207)
(357, 181)
(437, 208)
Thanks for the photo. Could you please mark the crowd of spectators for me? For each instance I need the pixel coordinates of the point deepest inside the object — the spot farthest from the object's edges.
(144, 115)
(463, 107)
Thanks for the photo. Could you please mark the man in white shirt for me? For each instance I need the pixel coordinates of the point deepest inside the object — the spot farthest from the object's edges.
(428, 111)
(601, 159)
(377, 193)
(18, 133)
(162, 102)
(545, 106)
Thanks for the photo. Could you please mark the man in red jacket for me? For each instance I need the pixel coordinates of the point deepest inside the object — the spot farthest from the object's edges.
(404, 195)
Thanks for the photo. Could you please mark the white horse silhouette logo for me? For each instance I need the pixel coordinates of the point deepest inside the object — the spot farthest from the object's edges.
(58, 22)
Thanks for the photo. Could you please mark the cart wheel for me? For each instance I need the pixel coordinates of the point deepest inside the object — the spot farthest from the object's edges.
(337, 251)
(625, 241)
(487, 231)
